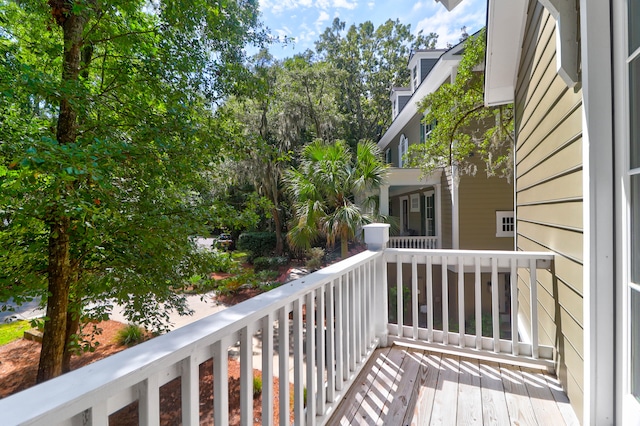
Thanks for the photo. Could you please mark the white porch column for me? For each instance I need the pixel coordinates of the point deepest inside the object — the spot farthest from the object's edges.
(384, 200)
(438, 218)
(376, 236)
(455, 218)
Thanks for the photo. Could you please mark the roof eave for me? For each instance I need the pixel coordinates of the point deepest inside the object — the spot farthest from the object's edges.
(505, 32)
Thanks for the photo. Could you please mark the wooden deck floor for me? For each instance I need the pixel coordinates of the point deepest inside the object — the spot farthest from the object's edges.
(402, 386)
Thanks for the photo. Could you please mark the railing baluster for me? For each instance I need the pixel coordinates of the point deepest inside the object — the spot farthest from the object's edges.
(478, 307)
(190, 387)
(353, 354)
(246, 376)
(513, 282)
(267, 369)
(461, 322)
(357, 321)
(220, 383)
(283, 358)
(495, 309)
(399, 301)
(348, 338)
(321, 394)
(414, 295)
(340, 336)
(430, 305)
(533, 283)
(331, 336)
(445, 302)
(149, 403)
(369, 286)
(99, 414)
(311, 362)
(298, 363)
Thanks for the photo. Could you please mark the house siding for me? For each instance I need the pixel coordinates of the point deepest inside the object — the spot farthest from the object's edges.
(549, 197)
(479, 198)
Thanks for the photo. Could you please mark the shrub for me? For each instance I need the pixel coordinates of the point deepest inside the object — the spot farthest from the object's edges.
(259, 244)
(130, 335)
(269, 263)
(257, 386)
(314, 258)
(222, 261)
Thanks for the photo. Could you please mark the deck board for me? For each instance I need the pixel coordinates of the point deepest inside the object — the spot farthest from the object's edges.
(403, 386)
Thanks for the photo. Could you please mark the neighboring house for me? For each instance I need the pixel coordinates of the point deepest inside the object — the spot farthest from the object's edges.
(457, 211)
(444, 209)
(572, 68)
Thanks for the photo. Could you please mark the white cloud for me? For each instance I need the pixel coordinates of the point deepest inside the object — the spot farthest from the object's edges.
(417, 6)
(320, 22)
(371, 4)
(345, 4)
(469, 14)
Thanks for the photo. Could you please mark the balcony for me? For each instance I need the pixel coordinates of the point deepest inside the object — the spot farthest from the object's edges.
(414, 242)
(330, 335)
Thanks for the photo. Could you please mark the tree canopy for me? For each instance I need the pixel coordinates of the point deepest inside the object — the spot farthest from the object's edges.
(106, 135)
(324, 188)
(464, 125)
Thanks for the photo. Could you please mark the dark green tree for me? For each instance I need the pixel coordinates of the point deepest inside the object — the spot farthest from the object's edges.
(106, 134)
(374, 60)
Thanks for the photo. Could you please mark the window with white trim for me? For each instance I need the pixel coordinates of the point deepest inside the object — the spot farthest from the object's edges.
(505, 224)
(415, 203)
(403, 146)
(387, 156)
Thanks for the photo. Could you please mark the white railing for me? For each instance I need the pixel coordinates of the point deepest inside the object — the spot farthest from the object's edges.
(322, 328)
(425, 273)
(334, 318)
(416, 242)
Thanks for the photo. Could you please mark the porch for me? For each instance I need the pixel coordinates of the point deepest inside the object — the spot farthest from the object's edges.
(317, 335)
(410, 386)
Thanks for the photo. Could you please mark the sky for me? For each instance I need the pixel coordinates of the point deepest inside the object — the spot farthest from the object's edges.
(305, 20)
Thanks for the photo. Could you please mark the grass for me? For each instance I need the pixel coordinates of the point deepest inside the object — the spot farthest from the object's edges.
(130, 335)
(13, 331)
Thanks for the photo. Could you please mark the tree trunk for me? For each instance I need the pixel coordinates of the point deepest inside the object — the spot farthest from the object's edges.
(344, 244)
(73, 324)
(55, 327)
(278, 225)
(59, 272)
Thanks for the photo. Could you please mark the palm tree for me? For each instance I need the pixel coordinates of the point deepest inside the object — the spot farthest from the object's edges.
(324, 188)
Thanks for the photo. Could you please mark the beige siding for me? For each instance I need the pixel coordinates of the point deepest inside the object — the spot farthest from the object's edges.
(549, 196)
(412, 131)
(479, 198)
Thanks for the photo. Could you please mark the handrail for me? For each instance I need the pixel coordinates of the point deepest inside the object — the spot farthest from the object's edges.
(344, 300)
(414, 242)
(466, 267)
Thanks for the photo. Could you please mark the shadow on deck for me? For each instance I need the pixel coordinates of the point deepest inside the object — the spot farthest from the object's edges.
(402, 386)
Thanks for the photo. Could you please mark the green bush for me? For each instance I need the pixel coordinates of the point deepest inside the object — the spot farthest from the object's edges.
(130, 335)
(259, 244)
(222, 261)
(269, 263)
(314, 258)
(257, 386)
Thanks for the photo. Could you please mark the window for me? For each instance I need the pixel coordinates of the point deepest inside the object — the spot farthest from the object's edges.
(387, 156)
(415, 203)
(505, 224)
(430, 212)
(402, 150)
(426, 129)
(633, 174)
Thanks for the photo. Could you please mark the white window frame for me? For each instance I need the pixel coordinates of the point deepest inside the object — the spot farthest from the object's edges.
(403, 147)
(501, 216)
(414, 204)
(628, 407)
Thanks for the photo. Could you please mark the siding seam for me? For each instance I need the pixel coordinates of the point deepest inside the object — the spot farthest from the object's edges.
(554, 201)
(565, 255)
(548, 179)
(551, 225)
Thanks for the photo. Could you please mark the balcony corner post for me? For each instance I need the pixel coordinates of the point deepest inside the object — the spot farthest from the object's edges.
(376, 236)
